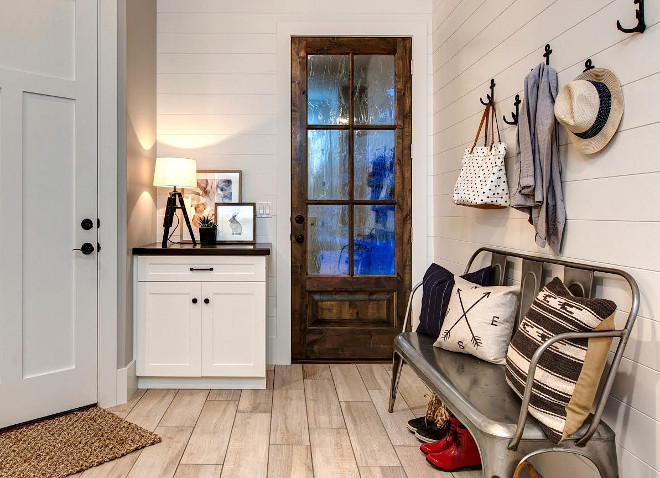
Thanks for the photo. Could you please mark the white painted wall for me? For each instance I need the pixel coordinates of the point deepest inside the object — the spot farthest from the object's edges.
(220, 101)
(613, 199)
(137, 153)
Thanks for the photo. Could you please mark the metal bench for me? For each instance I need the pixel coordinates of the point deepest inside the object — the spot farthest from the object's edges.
(477, 394)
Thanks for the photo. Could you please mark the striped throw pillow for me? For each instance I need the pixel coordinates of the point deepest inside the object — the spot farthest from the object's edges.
(568, 373)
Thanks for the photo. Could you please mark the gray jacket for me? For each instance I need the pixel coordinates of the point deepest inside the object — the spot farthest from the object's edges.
(537, 167)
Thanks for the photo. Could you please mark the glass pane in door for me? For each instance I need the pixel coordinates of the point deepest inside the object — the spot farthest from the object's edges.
(374, 240)
(327, 240)
(374, 89)
(374, 165)
(327, 164)
(327, 89)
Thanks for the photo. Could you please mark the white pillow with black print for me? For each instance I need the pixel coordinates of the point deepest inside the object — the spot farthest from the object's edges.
(479, 320)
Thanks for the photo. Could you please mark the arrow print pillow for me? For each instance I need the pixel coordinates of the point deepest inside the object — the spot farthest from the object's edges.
(480, 320)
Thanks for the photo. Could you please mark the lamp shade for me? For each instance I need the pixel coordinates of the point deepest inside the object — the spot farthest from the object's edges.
(175, 172)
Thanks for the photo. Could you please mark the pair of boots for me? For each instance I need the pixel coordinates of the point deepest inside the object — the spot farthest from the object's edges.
(448, 445)
(456, 451)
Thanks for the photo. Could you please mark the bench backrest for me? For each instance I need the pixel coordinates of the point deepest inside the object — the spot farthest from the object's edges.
(579, 278)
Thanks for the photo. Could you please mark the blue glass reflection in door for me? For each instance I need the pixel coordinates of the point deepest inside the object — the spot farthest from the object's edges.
(374, 165)
(374, 240)
(327, 240)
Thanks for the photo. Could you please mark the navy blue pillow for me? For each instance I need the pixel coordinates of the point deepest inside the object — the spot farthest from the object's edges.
(436, 292)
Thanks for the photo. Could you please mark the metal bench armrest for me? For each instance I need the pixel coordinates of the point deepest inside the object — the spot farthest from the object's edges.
(409, 308)
(513, 444)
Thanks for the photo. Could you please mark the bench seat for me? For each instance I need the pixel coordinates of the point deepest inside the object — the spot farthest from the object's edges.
(476, 391)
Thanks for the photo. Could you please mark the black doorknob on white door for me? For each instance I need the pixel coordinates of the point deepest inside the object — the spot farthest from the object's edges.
(194, 301)
(87, 248)
(206, 301)
(87, 224)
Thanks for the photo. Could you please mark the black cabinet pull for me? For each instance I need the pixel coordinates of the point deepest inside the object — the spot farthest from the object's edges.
(194, 301)
(206, 301)
(201, 269)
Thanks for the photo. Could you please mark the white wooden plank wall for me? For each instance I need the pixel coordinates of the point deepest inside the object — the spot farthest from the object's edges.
(217, 99)
(613, 199)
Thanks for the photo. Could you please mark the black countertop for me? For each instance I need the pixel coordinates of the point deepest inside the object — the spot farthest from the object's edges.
(155, 249)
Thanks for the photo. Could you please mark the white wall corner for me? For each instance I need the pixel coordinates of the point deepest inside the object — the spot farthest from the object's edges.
(127, 383)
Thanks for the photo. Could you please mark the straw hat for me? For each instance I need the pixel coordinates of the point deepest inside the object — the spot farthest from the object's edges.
(590, 108)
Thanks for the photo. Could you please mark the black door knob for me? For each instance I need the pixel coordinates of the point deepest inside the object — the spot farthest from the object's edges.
(87, 248)
(87, 224)
(299, 219)
(194, 301)
(206, 301)
(300, 238)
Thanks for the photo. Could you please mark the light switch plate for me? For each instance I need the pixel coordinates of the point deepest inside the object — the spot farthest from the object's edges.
(264, 209)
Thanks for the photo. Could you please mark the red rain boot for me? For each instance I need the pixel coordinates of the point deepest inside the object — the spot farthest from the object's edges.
(450, 427)
(463, 454)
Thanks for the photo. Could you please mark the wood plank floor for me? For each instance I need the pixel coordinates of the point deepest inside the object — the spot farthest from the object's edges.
(314, 421)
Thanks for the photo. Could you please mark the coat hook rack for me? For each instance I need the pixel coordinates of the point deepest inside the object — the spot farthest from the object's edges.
(514, 115)
(641, 23)
(492, 94)
(548, 52)
(588, 65)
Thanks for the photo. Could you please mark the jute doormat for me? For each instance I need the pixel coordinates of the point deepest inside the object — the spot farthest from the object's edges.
(64, 445)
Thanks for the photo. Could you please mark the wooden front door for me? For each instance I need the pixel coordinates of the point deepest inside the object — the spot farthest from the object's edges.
(351, 196)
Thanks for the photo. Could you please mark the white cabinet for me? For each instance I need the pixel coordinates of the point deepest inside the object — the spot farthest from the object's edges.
(169, 329)
(233, 329)
(201, 321)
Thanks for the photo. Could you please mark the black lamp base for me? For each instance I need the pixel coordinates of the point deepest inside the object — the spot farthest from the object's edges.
(170, 210)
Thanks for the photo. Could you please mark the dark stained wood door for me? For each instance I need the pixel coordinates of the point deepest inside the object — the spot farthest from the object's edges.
(351, 196)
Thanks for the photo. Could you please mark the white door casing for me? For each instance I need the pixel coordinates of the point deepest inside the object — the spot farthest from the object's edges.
(48, 185)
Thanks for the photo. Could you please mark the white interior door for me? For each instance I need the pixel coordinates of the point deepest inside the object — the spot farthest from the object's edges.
(48, 185)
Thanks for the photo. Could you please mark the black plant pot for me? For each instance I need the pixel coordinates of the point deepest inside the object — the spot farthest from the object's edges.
(207, 235)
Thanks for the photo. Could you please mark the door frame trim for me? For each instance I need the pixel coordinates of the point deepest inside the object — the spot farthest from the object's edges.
(107, 202)
(419, 32)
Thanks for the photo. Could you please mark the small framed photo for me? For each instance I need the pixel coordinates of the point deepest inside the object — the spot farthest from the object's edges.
(236, 222)
(212, 187)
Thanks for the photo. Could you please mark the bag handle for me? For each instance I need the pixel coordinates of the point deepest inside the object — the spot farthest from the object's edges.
(484, 118)
(532, 470)
(493, 123)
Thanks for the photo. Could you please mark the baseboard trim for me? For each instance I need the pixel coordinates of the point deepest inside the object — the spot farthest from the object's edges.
(127, 383)
(231, 383)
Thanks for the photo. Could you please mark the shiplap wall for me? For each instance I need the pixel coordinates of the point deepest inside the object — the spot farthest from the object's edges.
(612, 198)
(217, 91)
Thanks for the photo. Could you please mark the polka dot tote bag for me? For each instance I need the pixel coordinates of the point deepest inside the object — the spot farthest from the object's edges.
(482, 180)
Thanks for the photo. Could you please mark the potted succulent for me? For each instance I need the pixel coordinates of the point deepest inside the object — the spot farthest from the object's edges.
(208, 230)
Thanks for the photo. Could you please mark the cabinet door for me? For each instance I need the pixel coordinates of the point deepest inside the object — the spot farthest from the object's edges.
(169, 329)
(234, 329)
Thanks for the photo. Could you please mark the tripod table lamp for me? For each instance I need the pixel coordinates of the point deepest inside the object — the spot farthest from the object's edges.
(175, 172)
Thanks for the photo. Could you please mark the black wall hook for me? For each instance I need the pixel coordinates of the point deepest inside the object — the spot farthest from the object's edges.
(547, 54)
(641, 23)
(588, 65)
(492, 94)
(514, 115)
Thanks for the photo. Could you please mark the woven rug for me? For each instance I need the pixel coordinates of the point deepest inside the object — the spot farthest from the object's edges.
(64, 445)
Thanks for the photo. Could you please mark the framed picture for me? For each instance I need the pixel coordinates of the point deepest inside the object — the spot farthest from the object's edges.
(236, 222)
(212, 187)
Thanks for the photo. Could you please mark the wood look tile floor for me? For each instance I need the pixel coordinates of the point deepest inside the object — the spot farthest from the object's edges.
(313, 421)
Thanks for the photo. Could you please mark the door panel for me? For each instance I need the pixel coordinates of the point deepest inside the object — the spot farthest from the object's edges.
(169, 329)
(48, 185)
(233, 325)
(351, 196)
